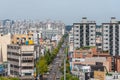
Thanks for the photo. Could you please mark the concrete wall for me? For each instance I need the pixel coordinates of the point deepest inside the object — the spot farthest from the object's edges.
(4, 41)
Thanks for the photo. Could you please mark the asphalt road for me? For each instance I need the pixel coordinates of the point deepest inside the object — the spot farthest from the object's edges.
(54, 73)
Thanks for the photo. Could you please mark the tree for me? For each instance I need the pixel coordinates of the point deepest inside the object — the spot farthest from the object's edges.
(70, 77)
(48, 57)
(8, 78)
(42, 66)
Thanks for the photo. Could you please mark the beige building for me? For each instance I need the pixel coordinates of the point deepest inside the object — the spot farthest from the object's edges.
(21, 38)
(21, 59)
(4, 41)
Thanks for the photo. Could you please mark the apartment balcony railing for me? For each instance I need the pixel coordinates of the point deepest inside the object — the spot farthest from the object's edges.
(13, 56)
(13, 62)
(14, 69)
(13, 50)
(27, 64)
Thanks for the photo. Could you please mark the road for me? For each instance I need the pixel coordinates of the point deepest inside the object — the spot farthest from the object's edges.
(55, 73)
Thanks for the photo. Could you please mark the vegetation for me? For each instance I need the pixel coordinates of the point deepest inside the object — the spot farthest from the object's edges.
(105, 51)
(108, 74)
(44, 61)
(8, 78)
(68, 75)
(42, 66)
(85, 47)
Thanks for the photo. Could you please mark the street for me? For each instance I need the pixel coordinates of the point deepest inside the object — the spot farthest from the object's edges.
(55, 73)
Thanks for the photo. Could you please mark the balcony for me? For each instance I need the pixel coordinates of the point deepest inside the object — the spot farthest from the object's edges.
(27, 64)
(27, 77)
(13, 62)
(13, 50)
(13, 56)
(14, 69)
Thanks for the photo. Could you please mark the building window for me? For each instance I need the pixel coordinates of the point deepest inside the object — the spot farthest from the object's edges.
(77, 26)
(91, 30)
(77, 35)
(91, 34)
(77, 39)
(91, 38)
(91, 26)
(77, 30)
(106, 39)
(106, 43)
(29, 38)
(106, 30)
(77, 43)
(91, 43)
(106, 34)
(106, 47)
(17, 42)
(106, 26)
(17, 38)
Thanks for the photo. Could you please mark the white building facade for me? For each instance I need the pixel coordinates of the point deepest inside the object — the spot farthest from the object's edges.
(111, 37)
(84, 33)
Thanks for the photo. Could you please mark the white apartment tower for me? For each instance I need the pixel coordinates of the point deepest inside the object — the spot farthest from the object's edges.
(111, 36)
(84, 33)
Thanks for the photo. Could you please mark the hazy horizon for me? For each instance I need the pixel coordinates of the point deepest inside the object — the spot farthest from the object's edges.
(68, 11)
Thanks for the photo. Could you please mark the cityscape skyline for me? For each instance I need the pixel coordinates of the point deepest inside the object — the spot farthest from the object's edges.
(64, 10)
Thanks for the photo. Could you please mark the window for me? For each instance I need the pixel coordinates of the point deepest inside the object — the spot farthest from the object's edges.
(77, 30)
(76, 43)
(24, 38)
(77, 26)
(106, 39)
(29, 38)
(77, 39)
(17, 42)
(91, 43)
(91, 30)
(17, 38)
(106, 26)
(106, 43)
(91, 26)
(27, 67)
(91, 34)
(27, 61)
(91, 38)
(106, 30)
(76, 34)
(12, 42)
(30, 54)
(106, 34)
(106, 47)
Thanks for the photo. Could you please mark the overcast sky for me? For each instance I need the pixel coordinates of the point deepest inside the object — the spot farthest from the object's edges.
(68, 11)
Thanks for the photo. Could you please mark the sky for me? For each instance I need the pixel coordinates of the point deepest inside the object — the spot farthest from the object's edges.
(68, 11)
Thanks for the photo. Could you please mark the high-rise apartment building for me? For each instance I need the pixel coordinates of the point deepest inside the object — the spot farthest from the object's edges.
(84, 33)
(111, 36)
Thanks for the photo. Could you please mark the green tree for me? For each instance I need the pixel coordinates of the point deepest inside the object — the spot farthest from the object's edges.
(48, 57)
(8, 78)
(42, 66)
(70, 77)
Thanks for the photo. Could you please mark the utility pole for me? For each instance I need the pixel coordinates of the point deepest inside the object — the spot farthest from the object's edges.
(65, 62)
(65, 67)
